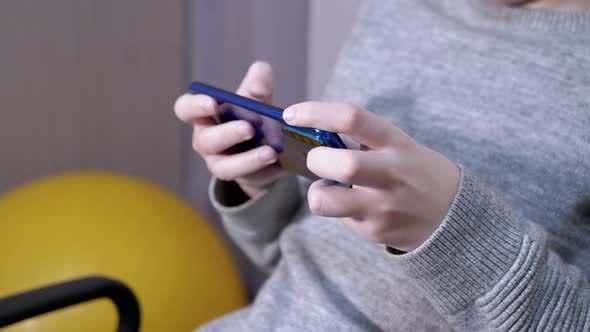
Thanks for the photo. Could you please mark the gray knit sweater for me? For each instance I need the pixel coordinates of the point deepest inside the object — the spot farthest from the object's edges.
(504, 93)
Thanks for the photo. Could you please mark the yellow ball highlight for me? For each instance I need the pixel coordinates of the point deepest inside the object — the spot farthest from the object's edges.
(82, 224)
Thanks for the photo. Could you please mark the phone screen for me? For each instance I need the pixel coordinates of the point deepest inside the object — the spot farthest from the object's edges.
(291, 147)
(291, 143)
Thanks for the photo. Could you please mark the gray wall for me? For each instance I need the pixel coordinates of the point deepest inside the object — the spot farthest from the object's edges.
(330, 22)
(89, 85)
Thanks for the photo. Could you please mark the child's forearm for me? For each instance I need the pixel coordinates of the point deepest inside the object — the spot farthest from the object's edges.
(256, 224)
(486, 268)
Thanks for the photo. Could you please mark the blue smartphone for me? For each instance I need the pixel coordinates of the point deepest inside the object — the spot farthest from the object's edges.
(291, 143)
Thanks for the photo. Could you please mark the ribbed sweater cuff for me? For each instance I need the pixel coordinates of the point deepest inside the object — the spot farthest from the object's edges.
(472, 249)
(279, 202)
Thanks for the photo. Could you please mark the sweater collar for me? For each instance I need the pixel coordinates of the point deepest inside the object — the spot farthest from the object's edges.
(512, 17)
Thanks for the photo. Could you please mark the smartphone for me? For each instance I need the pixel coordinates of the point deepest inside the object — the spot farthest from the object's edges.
(291, 143)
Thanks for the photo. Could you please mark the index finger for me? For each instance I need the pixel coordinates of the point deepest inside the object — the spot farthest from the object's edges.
(258, 83)
(362, 125)
(190, 107)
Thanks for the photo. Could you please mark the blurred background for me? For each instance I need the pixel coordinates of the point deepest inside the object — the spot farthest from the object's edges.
(90, 85)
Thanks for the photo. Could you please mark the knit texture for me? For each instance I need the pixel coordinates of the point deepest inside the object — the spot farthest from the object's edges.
(503, 92)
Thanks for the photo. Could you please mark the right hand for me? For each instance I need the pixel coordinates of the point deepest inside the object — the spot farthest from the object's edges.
(252, 170)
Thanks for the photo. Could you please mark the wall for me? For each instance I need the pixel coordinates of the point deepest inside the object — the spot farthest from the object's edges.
(330, 22)
(90, 85)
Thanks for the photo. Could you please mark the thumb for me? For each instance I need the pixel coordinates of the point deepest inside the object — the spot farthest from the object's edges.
(258, 82)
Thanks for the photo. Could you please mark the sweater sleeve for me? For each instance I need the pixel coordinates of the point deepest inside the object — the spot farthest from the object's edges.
(486, 268)
(256, 224)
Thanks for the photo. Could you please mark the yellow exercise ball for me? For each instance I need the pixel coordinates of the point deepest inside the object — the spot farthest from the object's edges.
(75, 225)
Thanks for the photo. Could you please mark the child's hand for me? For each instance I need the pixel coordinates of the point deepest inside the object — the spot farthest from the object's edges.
(253, 169)
(401, 189)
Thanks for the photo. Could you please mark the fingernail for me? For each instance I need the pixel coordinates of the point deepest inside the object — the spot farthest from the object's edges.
(259, 89)
(289, 114)
(267, 155)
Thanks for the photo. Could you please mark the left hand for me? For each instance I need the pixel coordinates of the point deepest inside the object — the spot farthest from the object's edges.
(401, 190)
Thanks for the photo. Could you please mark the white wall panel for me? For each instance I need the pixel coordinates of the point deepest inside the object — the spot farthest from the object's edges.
(330, 22)
(88, 84)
